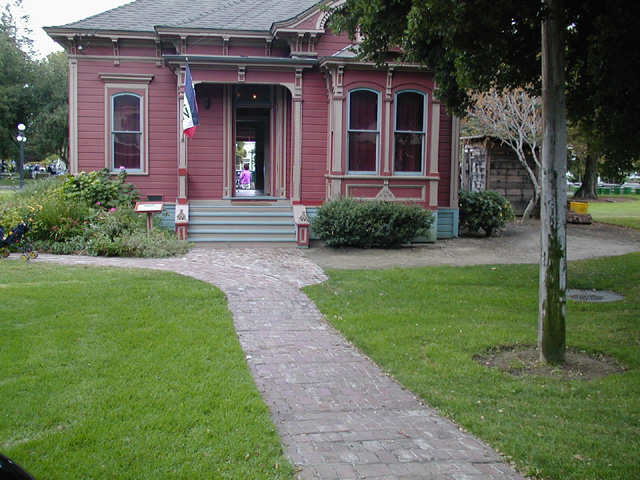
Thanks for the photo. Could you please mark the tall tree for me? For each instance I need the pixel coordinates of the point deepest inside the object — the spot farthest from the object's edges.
(553, 205)
(16, 70)
(583, 146)
(479, 45)
(50, 123)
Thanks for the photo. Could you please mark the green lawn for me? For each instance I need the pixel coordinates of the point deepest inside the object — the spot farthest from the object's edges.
(626, 214)
(14, 182)
(127, 374)
(425, 325)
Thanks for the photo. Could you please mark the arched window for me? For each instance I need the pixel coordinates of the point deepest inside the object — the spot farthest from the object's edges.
(363, 131)
(409, 133)
(126, 132)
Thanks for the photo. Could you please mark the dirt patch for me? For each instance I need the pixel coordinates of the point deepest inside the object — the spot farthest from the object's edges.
(524, 360)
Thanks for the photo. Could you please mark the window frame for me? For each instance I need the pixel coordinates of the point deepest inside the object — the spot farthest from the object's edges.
(138, 85)
(377, 132)
(113, 132)
(423, 132)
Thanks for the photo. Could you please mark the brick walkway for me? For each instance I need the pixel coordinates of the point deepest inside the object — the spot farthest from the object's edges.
(339, 415)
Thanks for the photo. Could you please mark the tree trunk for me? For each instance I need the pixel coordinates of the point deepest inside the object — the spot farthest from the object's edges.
(553, 204)
(533, 203)
(588, 189)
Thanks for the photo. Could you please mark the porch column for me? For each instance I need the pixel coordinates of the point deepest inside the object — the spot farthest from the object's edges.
(386, 129)
(73, 112)
(297, 139)
(336, 129)
(182, 208)
(182, 153)
(455, 162)
(433, 150)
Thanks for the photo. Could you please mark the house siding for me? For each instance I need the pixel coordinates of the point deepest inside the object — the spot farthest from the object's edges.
(315, 114)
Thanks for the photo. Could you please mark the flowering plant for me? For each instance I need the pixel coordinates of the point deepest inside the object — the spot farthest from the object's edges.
(68, 228)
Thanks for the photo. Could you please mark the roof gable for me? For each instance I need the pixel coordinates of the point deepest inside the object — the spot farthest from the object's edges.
(242, 15)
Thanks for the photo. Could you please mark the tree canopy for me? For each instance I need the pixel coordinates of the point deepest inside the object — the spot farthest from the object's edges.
(15, 75)
(478, 45)
(32, 92)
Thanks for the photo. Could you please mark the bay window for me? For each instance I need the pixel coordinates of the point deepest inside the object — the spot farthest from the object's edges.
(363, 131)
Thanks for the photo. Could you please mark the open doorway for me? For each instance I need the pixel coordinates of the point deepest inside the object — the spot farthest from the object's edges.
(252, 142)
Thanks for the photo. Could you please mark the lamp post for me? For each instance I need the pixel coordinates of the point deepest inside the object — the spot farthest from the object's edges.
(21, 139)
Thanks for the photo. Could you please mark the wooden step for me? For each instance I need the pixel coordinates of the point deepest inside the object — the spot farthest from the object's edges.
(219, 224)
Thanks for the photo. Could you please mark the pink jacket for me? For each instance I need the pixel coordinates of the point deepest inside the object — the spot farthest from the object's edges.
(245, 176)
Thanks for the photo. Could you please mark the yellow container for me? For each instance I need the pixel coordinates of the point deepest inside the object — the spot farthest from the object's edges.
(579, 207)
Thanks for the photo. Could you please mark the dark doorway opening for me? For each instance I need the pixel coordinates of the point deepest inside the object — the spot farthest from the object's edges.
(252, 143)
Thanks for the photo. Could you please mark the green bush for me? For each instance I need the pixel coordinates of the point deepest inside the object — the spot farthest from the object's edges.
(486, 210)
(366, 224)
(11, 214)
(70, 246)
(24, 204)
(90, 213)
(57, 219)
(101, 189)
(140, 243)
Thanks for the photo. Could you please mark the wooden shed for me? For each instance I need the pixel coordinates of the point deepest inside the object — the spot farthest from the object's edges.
(489, 164)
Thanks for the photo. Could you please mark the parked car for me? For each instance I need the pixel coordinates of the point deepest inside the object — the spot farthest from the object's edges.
(10, 470)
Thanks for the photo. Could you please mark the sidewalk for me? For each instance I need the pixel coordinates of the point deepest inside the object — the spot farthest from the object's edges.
(339, 415)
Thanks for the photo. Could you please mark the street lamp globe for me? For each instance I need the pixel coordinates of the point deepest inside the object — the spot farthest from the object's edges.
(21, 138)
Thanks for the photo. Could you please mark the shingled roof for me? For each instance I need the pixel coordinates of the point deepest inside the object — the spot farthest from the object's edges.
(145, 15)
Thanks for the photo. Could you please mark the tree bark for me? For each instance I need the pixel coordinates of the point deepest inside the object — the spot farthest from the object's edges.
(553, 213)
(589, 188)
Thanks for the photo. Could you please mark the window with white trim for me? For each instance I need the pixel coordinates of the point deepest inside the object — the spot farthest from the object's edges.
(363, 131)
(409, 132)
(126, 132)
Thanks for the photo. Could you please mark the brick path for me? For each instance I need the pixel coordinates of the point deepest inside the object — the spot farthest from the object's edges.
(339, 415)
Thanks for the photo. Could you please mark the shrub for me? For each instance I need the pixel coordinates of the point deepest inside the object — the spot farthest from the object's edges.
(58, 219)
(486, 210)
(11, 214)
(140, 243)
(100, 188)
(117, 222)
(366, 224)
(70, 246)
(88, 213)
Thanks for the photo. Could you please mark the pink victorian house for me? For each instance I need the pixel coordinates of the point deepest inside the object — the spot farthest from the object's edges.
(276, 90)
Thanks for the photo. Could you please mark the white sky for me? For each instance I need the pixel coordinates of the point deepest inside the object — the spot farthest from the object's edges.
(48, 13)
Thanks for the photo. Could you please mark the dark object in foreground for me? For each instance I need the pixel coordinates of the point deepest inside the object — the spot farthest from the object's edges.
(17, 239)
(9, 470)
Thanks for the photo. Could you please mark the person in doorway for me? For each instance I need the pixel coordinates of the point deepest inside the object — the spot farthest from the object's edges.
(245, 177)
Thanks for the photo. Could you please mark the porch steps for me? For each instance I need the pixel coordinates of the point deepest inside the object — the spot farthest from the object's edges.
(246, 224)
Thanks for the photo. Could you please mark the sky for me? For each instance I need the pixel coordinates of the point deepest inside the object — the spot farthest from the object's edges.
(48, 13)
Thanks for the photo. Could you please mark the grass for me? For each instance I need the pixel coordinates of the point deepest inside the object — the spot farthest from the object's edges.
(14, 181)
(425, 325)
(122, 374)
(626, 214)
